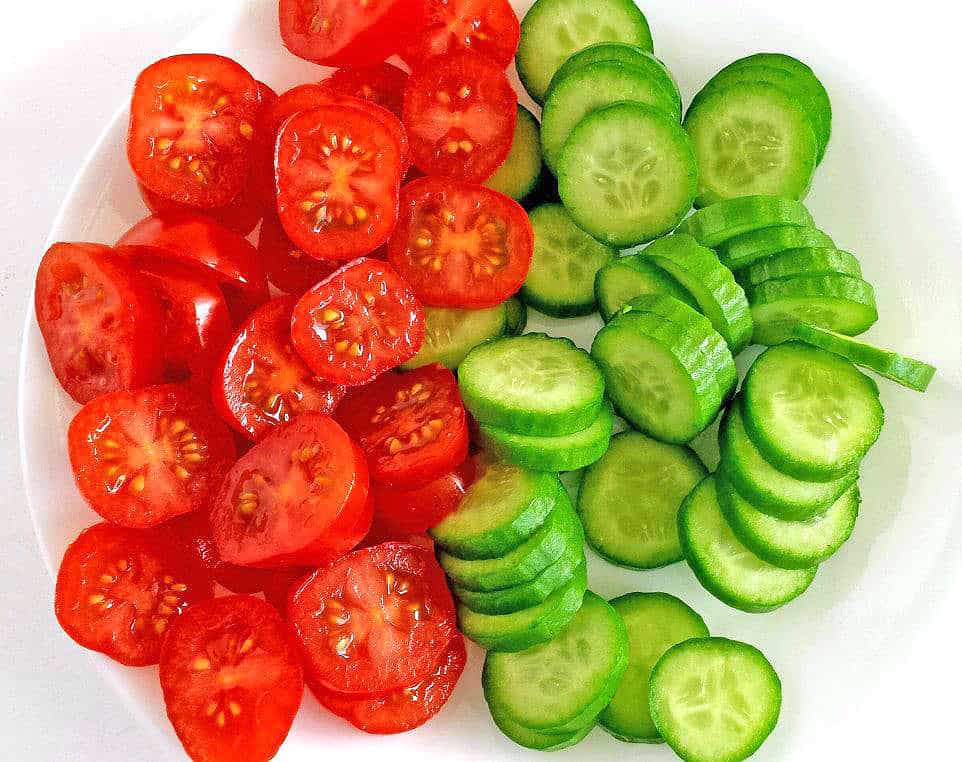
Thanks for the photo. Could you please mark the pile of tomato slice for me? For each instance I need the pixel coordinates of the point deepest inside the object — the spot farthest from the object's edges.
(243, 422)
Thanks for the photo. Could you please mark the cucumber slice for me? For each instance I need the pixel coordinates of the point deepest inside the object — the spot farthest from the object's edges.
(532, 384)
(568, 452)
(812, 414)
(810, 260)
(724, 566)
(521, 172)
(751, 139)
(764, 486)
(450, 333)
(714, 700)
(561, 281)
(530, 593)
(564, 684)
(516, 317)
(553, 30)
(841, 303)
(720, 222)
(789, 544)
(533, 739)
(906, 371)
(626, 278)
(629, 500)
(712, 285)
(746, 249)
(502, 509)
(655, 622)
(524, 629)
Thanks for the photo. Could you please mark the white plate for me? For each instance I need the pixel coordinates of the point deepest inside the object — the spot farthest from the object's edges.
(831, 647)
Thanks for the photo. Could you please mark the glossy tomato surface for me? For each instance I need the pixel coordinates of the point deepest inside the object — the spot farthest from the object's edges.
(488, 27)
(289, 268)
(399, 512)
(382, 84)
(241, 215)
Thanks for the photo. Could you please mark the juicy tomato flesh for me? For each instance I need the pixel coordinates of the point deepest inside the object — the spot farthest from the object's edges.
(289, 268)
(146, 456)
(360, 322)
(118, 590)
(488, 27)
(375, 620)
(400, 512)
(231, 679)
(382, 84)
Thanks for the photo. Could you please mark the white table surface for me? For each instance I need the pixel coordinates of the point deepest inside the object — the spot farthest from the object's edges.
(65, 66)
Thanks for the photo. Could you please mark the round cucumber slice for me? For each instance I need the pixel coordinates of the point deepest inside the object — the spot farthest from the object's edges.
(450, 333)
(626, 278)
(746, 249)
(516, 317)
(810, 260)
(521, 172)
(720, 222)
(533, 739)
(530, 593)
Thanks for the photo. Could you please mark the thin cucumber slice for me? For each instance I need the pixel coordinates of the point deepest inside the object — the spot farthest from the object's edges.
(627, 174)
(629, 500)
(841, 303)
(655, 622)
(533, 739)
(521, 172)
(564, 684)
(516, 317)
(764, 486)
(724, 566)
(524, 629)
(530, 593)
(502, 509)
(568, 452)
(812, 414)
(626, 278)
(751, 139)
(714, 700)
(561, 281)
(719, 222)
(906, 371)
(789, 544)
(711, 284)
(532, 384)
(746, 249)
(450, 333)
(811, 260)
(553, 30)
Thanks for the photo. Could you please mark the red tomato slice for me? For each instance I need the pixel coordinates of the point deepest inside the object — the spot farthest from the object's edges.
(281, 584)
(375, 621)
(232, 681)
(288, 267)
(119, 589)
(143, 457)
(337, 169)
(240, 216)
(281, 503)
(488, 27)
(400, 512)
(261, 383)
(360, 322)
(402, 709)
(382, 84)
(100, 322)
(410, 425)
(460, 245)
(191, 129)
(459, 113)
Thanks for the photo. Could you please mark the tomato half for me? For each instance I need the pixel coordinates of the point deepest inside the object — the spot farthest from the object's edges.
(410, 425)
(400, 512)
(488, 27)
(241, 215)
(382, 84)
(143, 457)
(119, 589)
(374, 621)
(231, 679)
(405, 708)
(101, 324)
(192, 120)
(460, 245)
(459, 113)
(356, 324)
(289, 500)
(288, 267)
(262, 383)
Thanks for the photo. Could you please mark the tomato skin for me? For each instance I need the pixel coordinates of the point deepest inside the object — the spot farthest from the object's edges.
(177, 120)
(107, 578)
(142, 457)
(288, 267)
(488, 27)
(382, 323)
(402, 709)
(231, 680)
(382, 83)
(240, 216)
(400, 512)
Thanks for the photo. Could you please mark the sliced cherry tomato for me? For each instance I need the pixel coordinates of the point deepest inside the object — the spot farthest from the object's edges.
(358, 323)
(382, 84)
(375, 621)
(240, 216)
(488, 27)
(405, 708)
(262, 383)
(192, 120)
(101, 324)
(459, 112)
(410, 425)
(460, 245)
(400, 512)
(119, 589)
(232, 680)
(280, 585)
(143, 457)
(288, 267)
(291, 498)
